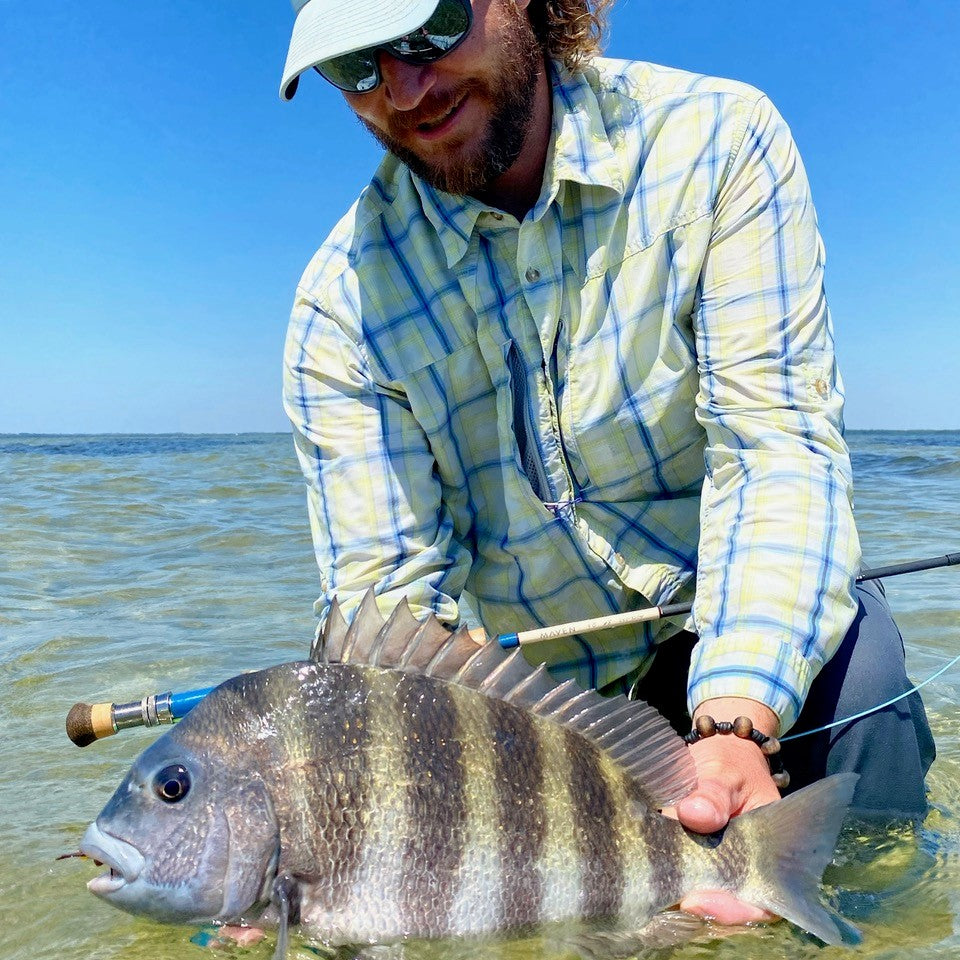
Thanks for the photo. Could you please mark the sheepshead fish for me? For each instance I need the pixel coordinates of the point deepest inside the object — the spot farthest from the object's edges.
(407, 783)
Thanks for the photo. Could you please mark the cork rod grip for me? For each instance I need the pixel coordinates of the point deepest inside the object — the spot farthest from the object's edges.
(88, 722)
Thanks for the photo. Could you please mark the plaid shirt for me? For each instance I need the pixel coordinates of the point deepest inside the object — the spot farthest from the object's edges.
(629, 396)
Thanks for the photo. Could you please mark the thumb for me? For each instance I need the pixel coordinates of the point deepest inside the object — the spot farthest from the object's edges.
(708, 808)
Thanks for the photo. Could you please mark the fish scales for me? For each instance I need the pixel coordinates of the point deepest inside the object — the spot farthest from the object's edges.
(661, 870)
(443, 846)
(378, 885)
(435, 800)
(426, 850)
(477, 902)
(422, 794)
(599, 845)
(324, 806)
(312, 729)
(559, 864)
(518, 778)
(477, 798)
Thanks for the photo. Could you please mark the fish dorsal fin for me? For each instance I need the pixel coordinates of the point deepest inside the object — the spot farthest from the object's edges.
(631, 733)
(400, 627)
(367, 622)
(330, 639)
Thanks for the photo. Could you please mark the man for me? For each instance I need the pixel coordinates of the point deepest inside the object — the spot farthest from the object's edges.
(569, 354)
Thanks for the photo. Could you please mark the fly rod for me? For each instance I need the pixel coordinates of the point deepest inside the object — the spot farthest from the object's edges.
(524, 637)
(89, 722)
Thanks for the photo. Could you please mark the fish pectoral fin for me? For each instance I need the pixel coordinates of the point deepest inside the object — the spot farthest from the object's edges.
(286, 895)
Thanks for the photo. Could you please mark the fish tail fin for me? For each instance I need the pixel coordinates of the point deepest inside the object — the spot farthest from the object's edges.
(793, 842)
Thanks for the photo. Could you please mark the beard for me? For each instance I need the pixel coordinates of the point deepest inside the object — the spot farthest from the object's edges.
(507, 87)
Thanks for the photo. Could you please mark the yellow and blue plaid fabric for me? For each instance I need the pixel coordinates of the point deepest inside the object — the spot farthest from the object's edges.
(650, 350)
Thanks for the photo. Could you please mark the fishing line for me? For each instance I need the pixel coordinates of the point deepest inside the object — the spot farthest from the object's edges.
(879, 706)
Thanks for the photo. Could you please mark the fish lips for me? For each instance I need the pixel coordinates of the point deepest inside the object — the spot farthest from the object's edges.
(124, 860)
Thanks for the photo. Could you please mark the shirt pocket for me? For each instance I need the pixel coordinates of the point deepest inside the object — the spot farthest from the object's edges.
(454, 400)
(632, 375)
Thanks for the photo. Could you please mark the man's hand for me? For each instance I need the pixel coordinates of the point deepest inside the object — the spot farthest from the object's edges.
(733, 777)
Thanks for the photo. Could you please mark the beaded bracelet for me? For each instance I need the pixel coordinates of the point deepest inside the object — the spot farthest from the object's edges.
(743, 728)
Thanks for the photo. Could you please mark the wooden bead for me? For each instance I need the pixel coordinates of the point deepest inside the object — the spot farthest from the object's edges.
(782, 780)
(706, 726)
(724, 726)
(743, 728)
(771, 747)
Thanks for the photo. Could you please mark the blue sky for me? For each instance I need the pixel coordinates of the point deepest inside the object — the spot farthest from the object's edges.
(158, 201)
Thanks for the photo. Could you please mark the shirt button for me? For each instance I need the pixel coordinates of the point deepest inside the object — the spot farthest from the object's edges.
(822, 387)
(532, 274)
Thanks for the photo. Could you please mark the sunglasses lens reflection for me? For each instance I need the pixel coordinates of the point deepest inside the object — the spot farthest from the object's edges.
(354, 72)
(358, 72)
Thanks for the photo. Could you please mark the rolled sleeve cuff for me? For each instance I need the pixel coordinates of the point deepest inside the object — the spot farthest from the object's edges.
(770, 671)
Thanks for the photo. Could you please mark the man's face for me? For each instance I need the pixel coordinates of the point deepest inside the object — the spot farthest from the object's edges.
(460, 122)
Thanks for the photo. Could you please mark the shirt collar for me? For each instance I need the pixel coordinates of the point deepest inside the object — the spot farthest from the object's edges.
(452, 217)
(580, 152)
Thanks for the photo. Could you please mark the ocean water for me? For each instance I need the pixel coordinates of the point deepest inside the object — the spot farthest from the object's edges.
(133, 565)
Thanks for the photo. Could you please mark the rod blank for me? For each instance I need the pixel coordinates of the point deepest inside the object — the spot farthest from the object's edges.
(523, 637)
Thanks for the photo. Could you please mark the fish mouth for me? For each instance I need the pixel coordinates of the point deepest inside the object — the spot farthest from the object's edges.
(123, 859)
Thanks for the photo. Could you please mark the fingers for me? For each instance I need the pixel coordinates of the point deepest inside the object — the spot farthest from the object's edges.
(723, 907)
(733, 777)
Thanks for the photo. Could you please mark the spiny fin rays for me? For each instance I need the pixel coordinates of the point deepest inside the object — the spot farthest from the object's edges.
(331, 637)
(615, 725)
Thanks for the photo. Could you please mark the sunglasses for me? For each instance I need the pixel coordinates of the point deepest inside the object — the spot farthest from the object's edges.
(359, 72)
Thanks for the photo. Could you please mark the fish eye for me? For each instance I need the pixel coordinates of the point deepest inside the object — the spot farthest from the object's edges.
(172, 783)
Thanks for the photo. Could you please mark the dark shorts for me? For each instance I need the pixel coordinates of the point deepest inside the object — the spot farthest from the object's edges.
(891, 749)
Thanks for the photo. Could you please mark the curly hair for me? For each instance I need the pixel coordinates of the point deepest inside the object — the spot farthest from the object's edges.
(570, 31)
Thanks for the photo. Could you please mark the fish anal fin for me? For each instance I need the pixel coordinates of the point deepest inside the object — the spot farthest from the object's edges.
(665, 932)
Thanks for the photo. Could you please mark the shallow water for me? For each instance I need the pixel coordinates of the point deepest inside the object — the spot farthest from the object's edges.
(134, 565)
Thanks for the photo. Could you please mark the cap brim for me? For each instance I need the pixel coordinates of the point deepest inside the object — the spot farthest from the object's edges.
(330, 28)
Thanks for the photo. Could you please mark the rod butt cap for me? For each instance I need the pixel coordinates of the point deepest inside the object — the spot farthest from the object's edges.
(88, 722)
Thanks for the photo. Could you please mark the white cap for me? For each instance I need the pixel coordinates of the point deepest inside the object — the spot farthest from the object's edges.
(330, 28)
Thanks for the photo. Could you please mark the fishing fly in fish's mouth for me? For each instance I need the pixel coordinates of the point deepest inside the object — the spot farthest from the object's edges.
(125, 862)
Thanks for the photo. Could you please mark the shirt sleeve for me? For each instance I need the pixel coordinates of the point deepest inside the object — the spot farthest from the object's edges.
(778, 549)
(373, 496)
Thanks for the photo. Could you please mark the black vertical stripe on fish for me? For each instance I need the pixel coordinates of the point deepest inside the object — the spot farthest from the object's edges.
(602, 868)
(663, 844)
(519, 791)
(731, 863)
(336, 782)
(436, 804)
